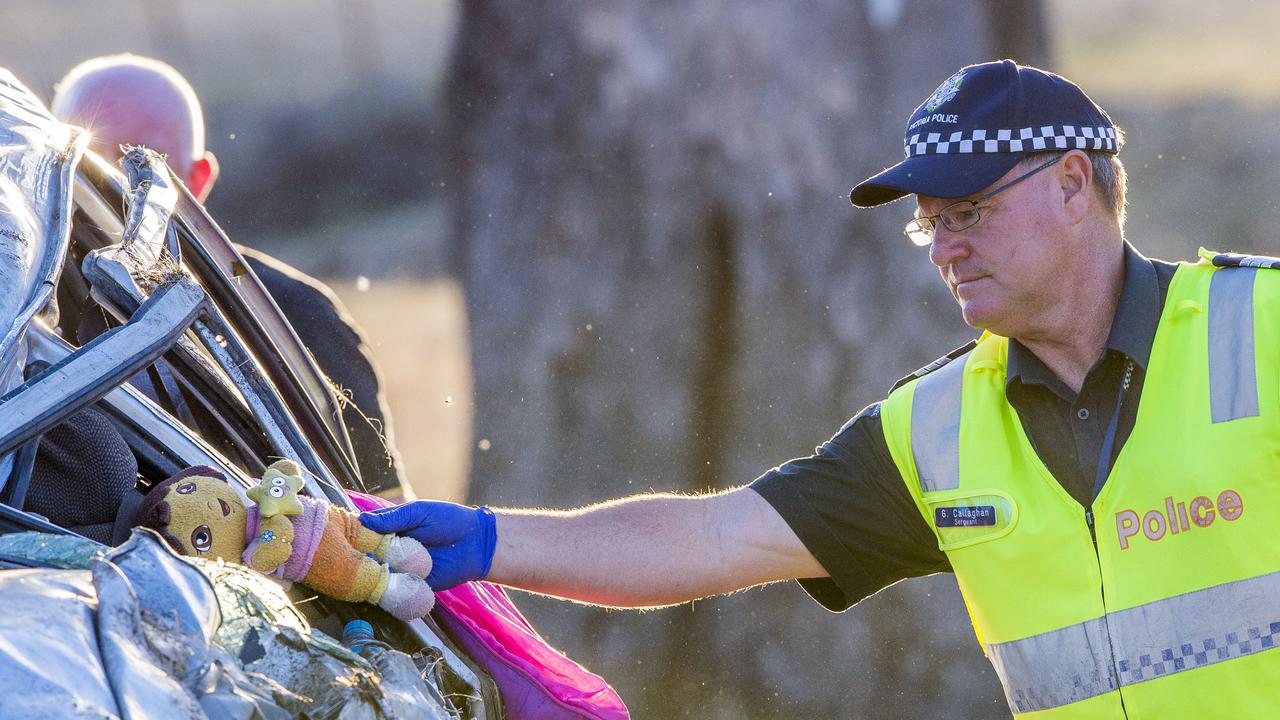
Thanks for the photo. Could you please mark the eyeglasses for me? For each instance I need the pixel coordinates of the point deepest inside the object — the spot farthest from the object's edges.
(960, 215)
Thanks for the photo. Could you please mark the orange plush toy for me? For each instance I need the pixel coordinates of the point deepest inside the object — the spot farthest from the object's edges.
(289, 536)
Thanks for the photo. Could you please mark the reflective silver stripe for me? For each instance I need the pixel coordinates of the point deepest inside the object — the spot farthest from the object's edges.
(1159, 638)
(1055, 668)
(1195, 629)
(1233, 382)
(935, 426)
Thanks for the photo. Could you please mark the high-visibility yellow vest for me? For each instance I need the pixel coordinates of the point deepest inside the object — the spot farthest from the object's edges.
(1175, 608)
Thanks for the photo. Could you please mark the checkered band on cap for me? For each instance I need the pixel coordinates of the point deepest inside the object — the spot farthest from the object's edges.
(1031, 139)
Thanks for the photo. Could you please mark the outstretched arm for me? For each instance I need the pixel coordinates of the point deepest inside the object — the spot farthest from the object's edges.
(650, 549)
(639, 551)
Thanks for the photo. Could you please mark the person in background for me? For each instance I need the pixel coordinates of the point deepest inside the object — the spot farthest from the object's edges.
(132, 100)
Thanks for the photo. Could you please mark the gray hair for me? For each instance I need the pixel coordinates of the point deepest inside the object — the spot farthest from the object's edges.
(1109, 176)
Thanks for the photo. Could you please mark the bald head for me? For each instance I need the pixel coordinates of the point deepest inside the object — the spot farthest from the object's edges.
(131, 100)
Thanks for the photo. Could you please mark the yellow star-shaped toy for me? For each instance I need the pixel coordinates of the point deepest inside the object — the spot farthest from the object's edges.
(277, 494)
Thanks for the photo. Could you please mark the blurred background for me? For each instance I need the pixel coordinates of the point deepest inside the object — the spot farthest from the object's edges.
(605, 248)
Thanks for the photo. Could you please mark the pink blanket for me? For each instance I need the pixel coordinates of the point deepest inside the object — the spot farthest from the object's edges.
(537, 682)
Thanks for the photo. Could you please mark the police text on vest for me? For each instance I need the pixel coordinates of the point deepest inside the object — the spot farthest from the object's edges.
(1178, 517)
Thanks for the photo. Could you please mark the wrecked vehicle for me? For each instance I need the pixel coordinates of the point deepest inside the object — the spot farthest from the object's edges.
(133, 336)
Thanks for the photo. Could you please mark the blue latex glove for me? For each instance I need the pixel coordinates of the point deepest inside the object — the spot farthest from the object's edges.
(460, 539)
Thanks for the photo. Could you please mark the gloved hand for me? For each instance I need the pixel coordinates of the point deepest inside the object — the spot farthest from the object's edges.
(461, 539)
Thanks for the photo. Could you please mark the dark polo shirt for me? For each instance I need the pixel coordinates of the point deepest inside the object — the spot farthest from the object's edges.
(849, 504)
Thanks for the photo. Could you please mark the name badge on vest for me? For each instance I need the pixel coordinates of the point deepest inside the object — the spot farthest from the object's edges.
(966, 518)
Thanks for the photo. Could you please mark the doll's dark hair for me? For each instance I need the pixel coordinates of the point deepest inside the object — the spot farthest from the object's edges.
(153, 511)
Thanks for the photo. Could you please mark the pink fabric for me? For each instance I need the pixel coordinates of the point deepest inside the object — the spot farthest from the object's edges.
(307, 530)
(537, 682)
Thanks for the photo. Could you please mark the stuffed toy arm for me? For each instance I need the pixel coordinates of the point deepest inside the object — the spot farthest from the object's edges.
(273, 544)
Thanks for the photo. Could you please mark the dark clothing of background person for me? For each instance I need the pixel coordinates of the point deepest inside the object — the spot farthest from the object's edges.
(82, 474)
(332, 337)
(848, 502)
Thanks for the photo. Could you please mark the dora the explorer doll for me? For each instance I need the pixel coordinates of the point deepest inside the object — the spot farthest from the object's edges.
(292, 537)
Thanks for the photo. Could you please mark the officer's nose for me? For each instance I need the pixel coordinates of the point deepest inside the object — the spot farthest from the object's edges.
(947, 246)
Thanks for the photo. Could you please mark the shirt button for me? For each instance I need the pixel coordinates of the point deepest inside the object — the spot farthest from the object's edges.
(1083, 413)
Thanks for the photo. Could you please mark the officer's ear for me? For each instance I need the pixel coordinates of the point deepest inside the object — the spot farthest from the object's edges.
(203, 172)
(1075, 178)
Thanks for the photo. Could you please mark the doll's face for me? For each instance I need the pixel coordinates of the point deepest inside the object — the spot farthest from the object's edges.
(208, 517)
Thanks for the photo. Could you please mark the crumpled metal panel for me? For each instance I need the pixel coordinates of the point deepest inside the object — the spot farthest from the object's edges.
(129, 638)
(405, 692)
(138, 659)
(49, 662)
(144, 633)
(38, 156)
(156, 620)
(263, 630)
(269, 638)
(177, 599)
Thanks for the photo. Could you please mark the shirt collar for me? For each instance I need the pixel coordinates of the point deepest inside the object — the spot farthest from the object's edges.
(1133, 328)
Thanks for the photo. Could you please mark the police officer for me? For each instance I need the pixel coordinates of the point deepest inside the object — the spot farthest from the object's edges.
(1096, 469)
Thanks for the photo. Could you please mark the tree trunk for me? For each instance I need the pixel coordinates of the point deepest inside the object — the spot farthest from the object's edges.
(1019, 30)
(668, 290)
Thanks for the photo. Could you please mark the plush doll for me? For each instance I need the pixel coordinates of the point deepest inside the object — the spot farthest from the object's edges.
(292, 537)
